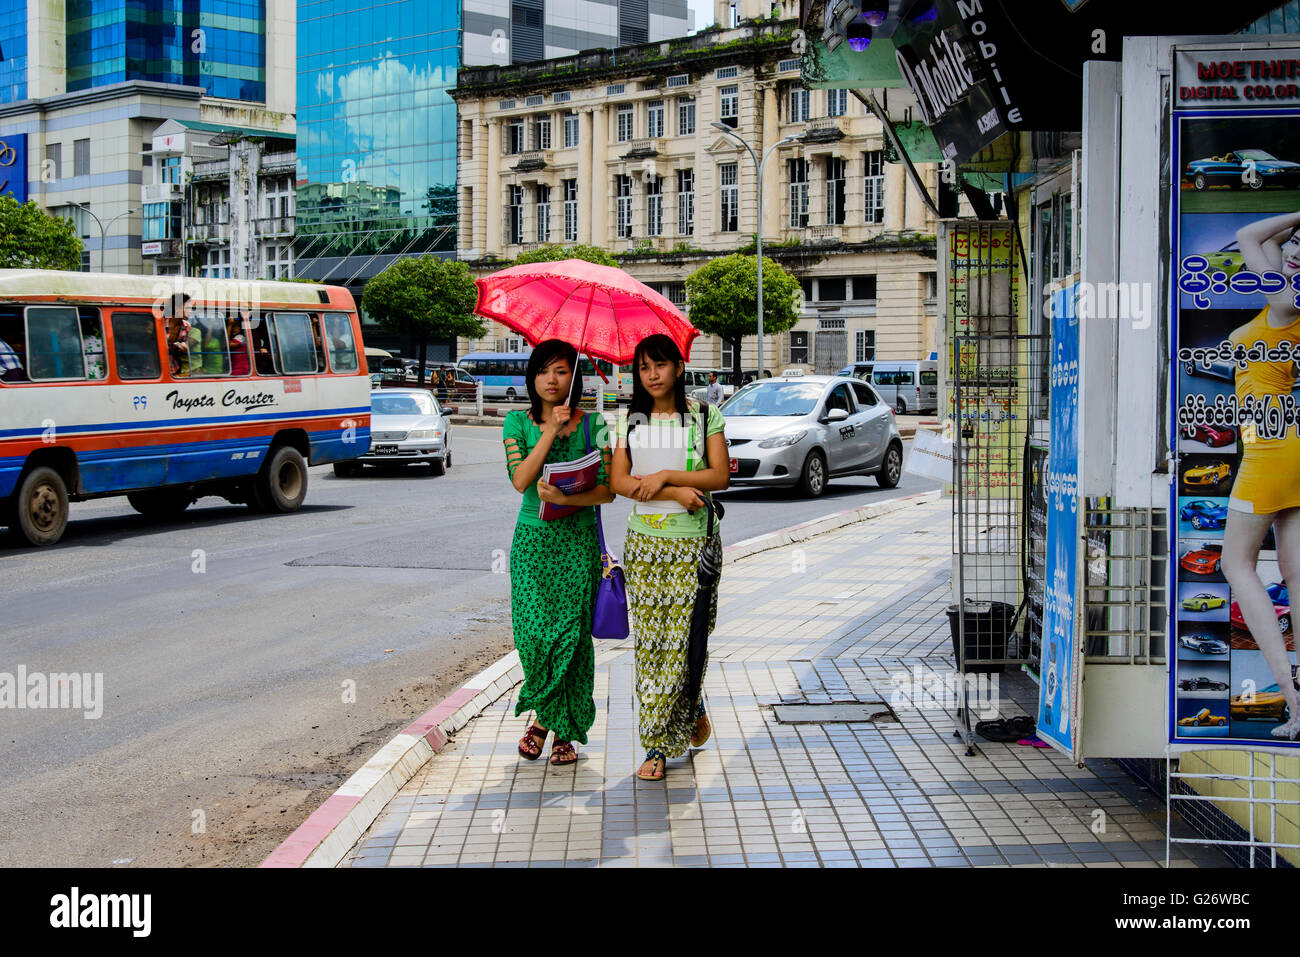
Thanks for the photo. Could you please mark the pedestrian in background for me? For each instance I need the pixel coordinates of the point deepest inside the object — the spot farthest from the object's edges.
(666, 460)
(715, 389)
(555, 566)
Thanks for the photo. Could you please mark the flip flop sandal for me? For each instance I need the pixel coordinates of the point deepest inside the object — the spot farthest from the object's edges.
(1034, 742)
(698, 740)
(661, 762)
(562, 749)
(532, 732)
(996, 730)
(1022, 726)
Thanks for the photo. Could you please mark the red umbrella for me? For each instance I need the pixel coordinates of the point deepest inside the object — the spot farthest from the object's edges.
(600, 310)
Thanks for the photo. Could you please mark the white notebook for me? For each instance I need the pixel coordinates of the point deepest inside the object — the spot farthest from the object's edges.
(655, 447)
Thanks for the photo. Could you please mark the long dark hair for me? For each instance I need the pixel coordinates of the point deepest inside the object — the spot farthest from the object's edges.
(660, 348)
(547, 351)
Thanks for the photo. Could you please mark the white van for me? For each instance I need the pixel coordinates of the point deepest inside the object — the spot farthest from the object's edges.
(911, 386)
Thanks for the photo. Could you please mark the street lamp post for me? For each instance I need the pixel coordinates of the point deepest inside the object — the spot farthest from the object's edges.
(758, 232)
(103, 230)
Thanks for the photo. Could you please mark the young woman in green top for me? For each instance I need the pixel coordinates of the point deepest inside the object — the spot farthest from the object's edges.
(555, 565)
(665, 538)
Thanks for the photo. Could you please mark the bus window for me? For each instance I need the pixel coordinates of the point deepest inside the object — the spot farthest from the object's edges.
(92, 343)
(338, 337)
(263, 356)
(238, 340)
(135, 345)
(54, 349)
(295, 346)
(209, 352)
(13, 347)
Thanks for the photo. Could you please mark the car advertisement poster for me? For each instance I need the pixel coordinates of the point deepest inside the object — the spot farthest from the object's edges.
(1058, 691)
(1236, 418)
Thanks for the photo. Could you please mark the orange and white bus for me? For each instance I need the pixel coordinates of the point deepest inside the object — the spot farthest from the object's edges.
(166, 389)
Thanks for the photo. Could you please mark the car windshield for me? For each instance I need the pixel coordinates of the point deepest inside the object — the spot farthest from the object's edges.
(401, 405)
(775, 397)
(1256, 155)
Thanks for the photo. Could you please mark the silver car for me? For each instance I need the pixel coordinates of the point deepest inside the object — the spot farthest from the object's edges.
(807, 429)
(406, 426)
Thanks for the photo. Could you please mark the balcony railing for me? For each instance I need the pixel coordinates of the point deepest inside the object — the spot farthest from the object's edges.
(532, 160)
(825, 129)
(275, 226)
(162, 192)
(208, 232)
(215, 169)
(640, 149)
(824, 234)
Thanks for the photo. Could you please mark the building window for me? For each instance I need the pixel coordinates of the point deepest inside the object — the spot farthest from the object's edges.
(623, 187)
(570, 130)
(623, 119)
(799, 348)
(515, 136)
(837, 102)
(570, 210)
(81, 158)
(467, 139)
(543, 213)
(685, 115)
(674, 292)
(515, 215)
(832, 289)
(655, 119)
(864, 345)
(161, 221)
(654, 206)
(930, 285)
(798, 193)
(467, 216)
(733, 14)
(798, 105)
(728, 360)
(279, 192)
(834, 191)
(874, 163)
(217, 263)
(730, 198)
(685, 202)
(864, 287)
(53, 161)
(170, 171)
(277, 261)
(729, 110)
(542, 133)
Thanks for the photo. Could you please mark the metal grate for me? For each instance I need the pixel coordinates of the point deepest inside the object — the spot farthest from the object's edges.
(562, 97)
(681, 79)
(506, 105)
(727, 72)
(1126, 595)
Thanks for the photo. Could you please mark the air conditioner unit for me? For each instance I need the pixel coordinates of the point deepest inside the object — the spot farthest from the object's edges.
(173, 190)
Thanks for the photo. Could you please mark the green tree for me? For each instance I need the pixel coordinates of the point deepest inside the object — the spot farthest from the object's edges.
(427, 298)
(723, 297)
(554, 253)
(30, 238)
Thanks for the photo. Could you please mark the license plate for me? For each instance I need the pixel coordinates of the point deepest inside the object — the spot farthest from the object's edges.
(735, 465)
(384, 450)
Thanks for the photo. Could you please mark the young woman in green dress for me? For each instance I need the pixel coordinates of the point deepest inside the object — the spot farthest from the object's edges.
(555, 565)
(661, 554)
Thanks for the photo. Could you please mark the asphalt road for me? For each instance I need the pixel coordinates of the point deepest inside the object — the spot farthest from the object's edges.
(250, 663)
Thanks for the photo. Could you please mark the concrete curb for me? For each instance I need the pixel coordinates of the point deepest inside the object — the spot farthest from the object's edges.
(329, 833)
(325, 838)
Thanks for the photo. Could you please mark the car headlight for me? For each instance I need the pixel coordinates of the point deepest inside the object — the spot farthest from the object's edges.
(782, 441)
(425, 434)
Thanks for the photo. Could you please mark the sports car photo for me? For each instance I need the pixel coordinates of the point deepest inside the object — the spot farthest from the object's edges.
(1211, 473)
(1253, 168)
(1202, 719)
(1203, 602)
(1202, 683)
(1267, 705)
(1204, 514)
(1215, 436)
(1226, 260)
(1281, 598)
(1204, 645)
(1204, 560)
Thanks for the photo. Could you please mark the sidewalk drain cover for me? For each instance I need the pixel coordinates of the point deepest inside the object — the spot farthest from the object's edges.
(842, 713)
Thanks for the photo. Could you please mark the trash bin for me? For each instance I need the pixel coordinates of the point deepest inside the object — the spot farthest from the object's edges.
(987, 625)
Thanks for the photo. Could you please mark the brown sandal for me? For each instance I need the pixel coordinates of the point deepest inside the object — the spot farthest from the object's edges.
(562, 752)
(528, 739)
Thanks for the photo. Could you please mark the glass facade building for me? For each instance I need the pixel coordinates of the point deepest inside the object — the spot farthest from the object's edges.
(13, 50)
(219, 45)
(376, 134)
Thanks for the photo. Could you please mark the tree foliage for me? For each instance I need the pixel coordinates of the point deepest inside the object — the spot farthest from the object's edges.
(723, 297)
(554, 253)
(30, 238)
(425, 297)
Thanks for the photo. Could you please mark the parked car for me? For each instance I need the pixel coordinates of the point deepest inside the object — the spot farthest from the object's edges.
(1203, 601)
(448, 383)
(1215, 436)
(1204, 644)
(1211, 474)
(858, 370)
(1230, 170)
(407, 426)
(1202, 683)
(1203, 718)
(910, 385)
(697, 383)
(804, 430)
(1204, 560)
(1204, 514)
(1280, 595)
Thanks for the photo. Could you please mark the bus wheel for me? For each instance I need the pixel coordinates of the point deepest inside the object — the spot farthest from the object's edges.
(281, 485)
(38, 511)
(159, 502)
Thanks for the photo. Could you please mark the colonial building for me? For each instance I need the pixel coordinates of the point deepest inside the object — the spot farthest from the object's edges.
(619, 149)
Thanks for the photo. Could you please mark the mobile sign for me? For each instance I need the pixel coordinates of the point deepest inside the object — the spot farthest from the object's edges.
(1236, 409)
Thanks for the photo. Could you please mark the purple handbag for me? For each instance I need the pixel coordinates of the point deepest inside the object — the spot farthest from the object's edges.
(609, 619)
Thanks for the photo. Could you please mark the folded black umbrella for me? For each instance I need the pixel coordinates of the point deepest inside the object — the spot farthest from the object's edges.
(706, 581)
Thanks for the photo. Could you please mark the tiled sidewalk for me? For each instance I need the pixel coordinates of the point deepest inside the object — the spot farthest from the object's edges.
(828, 620)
